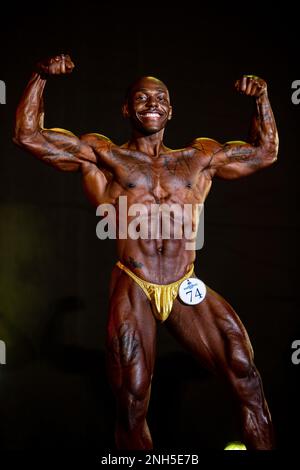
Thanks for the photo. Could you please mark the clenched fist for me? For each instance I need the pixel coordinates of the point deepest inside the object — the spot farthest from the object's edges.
(57, 65)
(251, 85)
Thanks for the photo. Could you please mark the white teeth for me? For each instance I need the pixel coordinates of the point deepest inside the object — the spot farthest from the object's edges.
(152, 115)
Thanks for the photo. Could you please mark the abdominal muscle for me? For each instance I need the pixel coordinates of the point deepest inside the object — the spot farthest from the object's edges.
(157, 261)
(160, 249)
(157, 248)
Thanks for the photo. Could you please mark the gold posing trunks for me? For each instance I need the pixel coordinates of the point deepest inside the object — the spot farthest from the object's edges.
(160, 296)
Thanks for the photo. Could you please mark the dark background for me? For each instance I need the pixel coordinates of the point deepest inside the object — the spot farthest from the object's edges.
(54, 272)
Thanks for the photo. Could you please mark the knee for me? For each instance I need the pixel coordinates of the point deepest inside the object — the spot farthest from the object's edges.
(240, 355)
(131, 410)
(244, 375)
(241, 364)
(245, 379)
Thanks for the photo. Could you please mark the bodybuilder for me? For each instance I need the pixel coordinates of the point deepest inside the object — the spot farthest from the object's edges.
(146, 279)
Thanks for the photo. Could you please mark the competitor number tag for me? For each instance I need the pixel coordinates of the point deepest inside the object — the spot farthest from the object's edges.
(192, 291)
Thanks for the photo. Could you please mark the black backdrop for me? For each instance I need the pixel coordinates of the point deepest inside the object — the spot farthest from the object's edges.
(54, 272)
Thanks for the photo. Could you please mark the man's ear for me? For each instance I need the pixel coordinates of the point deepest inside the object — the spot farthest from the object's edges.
(170, 113)
(125, 110)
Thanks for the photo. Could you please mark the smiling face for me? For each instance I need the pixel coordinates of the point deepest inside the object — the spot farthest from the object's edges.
(148, 105)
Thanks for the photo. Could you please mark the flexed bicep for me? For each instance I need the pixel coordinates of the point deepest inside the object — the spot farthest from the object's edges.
(57, 147)
(235, 159)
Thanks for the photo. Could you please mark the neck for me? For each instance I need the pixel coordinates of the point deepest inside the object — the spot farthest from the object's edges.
(149, 144)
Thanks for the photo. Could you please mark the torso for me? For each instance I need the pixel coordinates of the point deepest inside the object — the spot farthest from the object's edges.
(174, 177)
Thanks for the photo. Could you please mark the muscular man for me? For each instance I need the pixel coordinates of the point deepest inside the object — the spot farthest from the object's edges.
(145, 282)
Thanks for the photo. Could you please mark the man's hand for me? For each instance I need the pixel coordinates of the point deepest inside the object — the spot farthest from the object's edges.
(57, 65)
(251, 85)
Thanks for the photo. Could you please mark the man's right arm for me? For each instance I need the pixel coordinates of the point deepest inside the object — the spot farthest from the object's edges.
(56, 147)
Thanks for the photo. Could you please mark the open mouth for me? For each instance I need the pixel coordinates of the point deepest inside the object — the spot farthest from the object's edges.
(151, 115)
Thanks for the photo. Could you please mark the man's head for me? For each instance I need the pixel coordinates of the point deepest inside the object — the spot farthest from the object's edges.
(147, 105)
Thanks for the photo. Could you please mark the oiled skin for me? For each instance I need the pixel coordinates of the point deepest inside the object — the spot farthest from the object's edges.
(146, 171)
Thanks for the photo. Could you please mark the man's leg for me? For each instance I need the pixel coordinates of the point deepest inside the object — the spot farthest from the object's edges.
(130, 346)
(213, 332)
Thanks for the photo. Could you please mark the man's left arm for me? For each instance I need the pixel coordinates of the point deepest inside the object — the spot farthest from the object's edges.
(237, 158)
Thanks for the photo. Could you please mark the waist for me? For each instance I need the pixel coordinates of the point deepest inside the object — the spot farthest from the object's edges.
(189, 273)
(157, 274)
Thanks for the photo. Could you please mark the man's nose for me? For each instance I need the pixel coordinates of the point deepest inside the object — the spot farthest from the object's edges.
(152, 102)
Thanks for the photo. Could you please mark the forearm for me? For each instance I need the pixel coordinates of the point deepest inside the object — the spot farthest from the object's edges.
(262, 145)
(29, 115)
(263, 132)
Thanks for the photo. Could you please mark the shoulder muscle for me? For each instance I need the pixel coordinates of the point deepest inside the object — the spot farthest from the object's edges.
(93, 138)
(206, 145)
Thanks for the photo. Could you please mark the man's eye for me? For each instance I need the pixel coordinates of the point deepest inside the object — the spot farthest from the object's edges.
(141, 98)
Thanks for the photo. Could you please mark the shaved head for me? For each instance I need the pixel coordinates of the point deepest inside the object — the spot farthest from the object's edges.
(145, 81)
